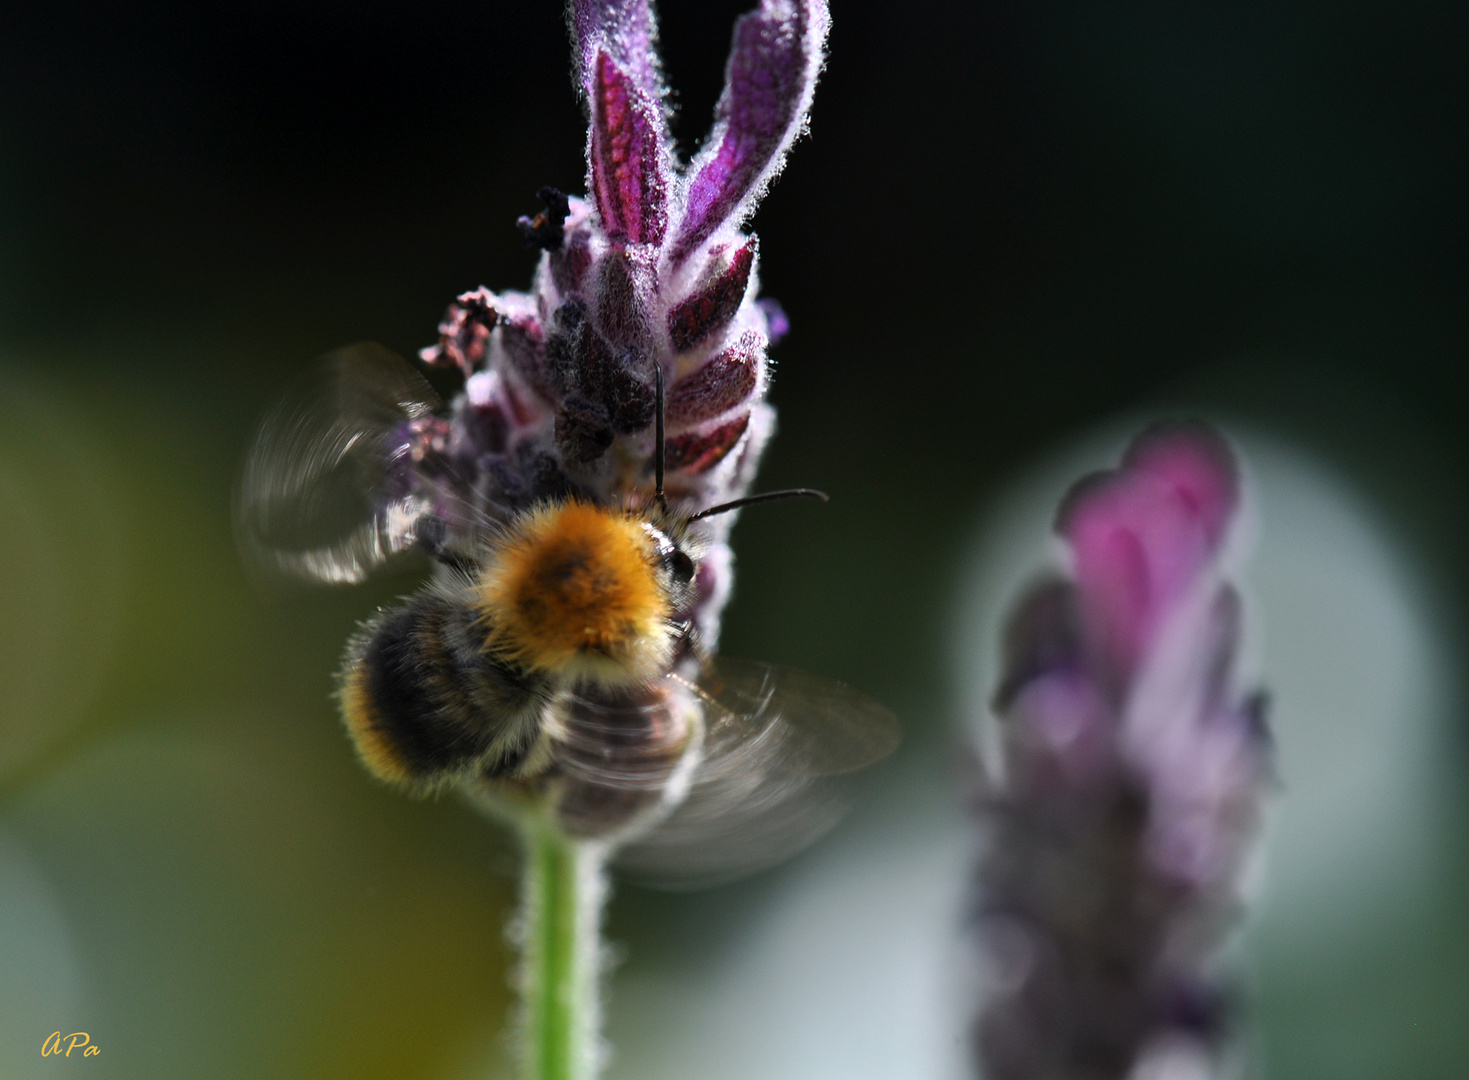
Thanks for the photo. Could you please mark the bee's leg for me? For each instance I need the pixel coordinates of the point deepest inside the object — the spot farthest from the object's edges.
(432, 536)
(690, 643)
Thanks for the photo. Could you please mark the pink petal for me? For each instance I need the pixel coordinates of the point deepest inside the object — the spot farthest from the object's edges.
(697, 453)
(1142, 534)
(724, 381)
(773, 64)
(626, 151)
(623, 29)
(715, 302)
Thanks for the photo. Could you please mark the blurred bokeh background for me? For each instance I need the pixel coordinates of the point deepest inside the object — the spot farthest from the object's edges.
(1017, 232)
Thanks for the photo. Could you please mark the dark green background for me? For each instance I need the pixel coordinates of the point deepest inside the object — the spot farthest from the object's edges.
(1011, 222)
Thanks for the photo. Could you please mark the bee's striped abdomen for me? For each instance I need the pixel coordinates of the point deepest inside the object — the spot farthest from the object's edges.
(424, 701)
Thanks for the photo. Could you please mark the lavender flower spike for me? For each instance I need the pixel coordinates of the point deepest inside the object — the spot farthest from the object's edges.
(648, 273)
(577, 488)
(1133, 773)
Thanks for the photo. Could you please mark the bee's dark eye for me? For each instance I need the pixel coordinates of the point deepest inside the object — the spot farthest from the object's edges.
(681, 567)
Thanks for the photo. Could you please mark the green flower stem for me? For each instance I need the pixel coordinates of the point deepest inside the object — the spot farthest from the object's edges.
(564, 889)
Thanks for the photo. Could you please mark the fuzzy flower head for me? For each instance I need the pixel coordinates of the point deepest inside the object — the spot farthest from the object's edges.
(649, 273)
(1133, 776)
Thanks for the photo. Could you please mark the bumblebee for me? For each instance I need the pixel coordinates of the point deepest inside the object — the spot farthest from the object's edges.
(464, 676)
(553, 653)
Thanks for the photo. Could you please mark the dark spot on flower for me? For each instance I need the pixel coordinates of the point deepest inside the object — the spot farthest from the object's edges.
(547, 229)
(621, 314)
(583, 430)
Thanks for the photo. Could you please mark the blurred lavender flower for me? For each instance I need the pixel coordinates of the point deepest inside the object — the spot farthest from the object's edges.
(650, 271)
(1132, 774)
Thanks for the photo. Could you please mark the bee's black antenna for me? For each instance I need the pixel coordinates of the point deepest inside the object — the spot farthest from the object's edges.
(658, 437)
(767, 496)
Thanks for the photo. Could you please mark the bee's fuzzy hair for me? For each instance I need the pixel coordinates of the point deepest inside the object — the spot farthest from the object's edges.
(574, 590)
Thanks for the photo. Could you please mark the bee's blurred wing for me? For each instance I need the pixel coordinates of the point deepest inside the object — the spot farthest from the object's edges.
(630, 741)
(316, 500)
(779, 749)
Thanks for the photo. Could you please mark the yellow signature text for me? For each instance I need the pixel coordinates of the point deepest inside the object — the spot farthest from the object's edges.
(62, 1045)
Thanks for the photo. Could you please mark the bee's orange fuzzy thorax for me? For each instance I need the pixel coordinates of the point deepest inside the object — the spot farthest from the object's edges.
(572, 590)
